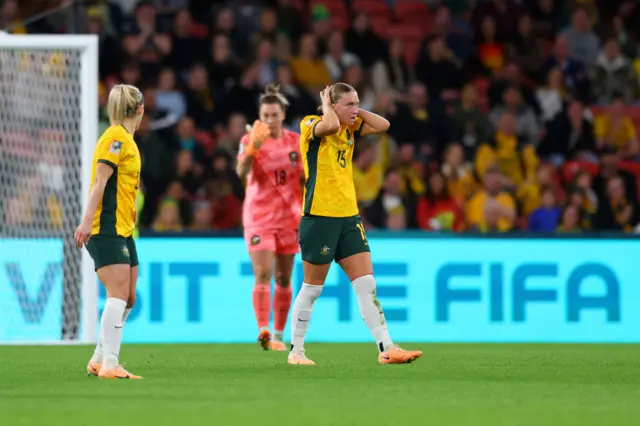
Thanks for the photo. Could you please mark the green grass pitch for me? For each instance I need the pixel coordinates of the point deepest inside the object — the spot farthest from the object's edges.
(452, 385)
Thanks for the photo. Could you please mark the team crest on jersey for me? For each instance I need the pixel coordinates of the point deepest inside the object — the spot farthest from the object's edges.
(349, 141)
(293, 157)
(325, 250)
(125, 251)
(115, 147)
(255, 240)
(310, 121)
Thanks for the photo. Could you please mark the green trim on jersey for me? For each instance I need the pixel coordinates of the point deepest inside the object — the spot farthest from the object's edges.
(109, 206)
(312, 166)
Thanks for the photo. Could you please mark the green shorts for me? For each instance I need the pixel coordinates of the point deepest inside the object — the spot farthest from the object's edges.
(324, 239)
(108, 250)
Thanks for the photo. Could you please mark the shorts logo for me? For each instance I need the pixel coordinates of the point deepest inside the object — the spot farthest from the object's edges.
(324, 250)
(255, 240)
(293, 157)
(115, 147)
(125, 251)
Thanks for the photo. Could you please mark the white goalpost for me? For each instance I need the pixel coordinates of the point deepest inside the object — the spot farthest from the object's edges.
(48, 129)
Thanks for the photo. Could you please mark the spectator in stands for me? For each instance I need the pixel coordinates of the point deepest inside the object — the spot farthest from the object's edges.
(201, 216)
(455, 39)
(222, 168)
(290, 20)
(301, 102)
(353, 75)
(470, 126)
(393, 73)
(612, 75)
(491, 208)
(308, 70)
(552, 96)
(265, 63)
(506, 14)
(547, 17)
(367, 172)
(130, 74)
(422, 122)
(583, 182)
(570, 220)
(546, 217)
(168, 97)
(226, 209)
(201, 104)
(511, 76)
(517, 160)
(161, 120)
(438, 71)
(583, 42)
(103, 115)
(615, 130)
(187, 50)
(437, 210)
(109, 50)
(337, 60)
(390, 203)
(236, 129)
(525, 49)
(362, 41)
(616, 212)
(458, 174)
(569, 136)
(187, 173)
(528, 128)
(609, 169)
(411, 171)
(574, 72)
(578, 199)
(490, 48)
(186, 137)
(223, 70)
(168, 219)
(176, 194)
(321, 26)
(225, 24)
(267, 28)
(144, 42)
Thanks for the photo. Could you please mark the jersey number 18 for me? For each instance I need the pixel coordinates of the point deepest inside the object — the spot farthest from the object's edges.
(281, 177)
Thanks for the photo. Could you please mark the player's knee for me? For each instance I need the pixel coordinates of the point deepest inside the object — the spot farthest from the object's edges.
(283, 281)
(263, 276)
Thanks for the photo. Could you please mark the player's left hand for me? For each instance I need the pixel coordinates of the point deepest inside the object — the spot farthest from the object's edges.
(82, 234)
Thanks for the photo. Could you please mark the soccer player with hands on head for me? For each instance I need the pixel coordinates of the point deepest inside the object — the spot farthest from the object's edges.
(109, 223)
(330, 228)
(269, 159)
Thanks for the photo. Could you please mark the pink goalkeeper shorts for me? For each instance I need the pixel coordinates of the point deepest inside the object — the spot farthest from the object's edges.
(280, 241)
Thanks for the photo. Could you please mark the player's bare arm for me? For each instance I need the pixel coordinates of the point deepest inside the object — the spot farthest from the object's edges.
(103, 173)
(330, 123)
(373, 123)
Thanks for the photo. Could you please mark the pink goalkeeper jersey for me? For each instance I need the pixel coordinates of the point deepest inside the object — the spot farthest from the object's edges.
(274, 194)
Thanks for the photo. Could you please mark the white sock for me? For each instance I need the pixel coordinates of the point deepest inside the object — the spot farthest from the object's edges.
(97, 353)
(302, 314)
(278, 336)
(371, 311)
(111, 326)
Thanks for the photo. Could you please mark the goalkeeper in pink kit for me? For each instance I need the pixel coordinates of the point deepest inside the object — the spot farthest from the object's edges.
(270, 161)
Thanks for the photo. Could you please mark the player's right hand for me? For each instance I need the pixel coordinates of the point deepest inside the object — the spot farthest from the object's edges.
(325, 96)
(258, 134)
(82, 234)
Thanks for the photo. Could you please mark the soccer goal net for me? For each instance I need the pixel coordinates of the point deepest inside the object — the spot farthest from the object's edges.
(48, 128)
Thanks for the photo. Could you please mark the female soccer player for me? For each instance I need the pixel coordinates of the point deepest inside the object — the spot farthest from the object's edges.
(330, 228)
(270, 160)
(108, 225)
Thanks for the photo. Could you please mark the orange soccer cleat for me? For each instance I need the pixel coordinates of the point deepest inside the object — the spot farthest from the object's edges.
(299, 358)
(277, 345)
(117, 373)
(264, 339)
(93, 368)
(397, 355)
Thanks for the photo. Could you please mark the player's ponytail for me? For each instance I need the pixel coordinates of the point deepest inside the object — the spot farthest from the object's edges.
(338, 90)
(272, 96)
(123, 102)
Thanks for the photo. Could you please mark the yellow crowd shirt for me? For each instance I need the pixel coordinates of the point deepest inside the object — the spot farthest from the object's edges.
(117, 209)
(329, 190)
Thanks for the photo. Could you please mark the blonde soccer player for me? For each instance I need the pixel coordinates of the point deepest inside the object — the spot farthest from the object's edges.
(330, 228)
(109, 222)
(269, 159)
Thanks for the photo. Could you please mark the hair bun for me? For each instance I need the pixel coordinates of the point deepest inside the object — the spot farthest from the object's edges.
(272, 89)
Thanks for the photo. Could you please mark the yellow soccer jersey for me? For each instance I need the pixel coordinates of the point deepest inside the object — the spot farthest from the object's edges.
(116, 212)
(329, 189)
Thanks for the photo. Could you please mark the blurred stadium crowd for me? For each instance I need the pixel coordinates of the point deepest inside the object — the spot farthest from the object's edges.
(505, 115)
